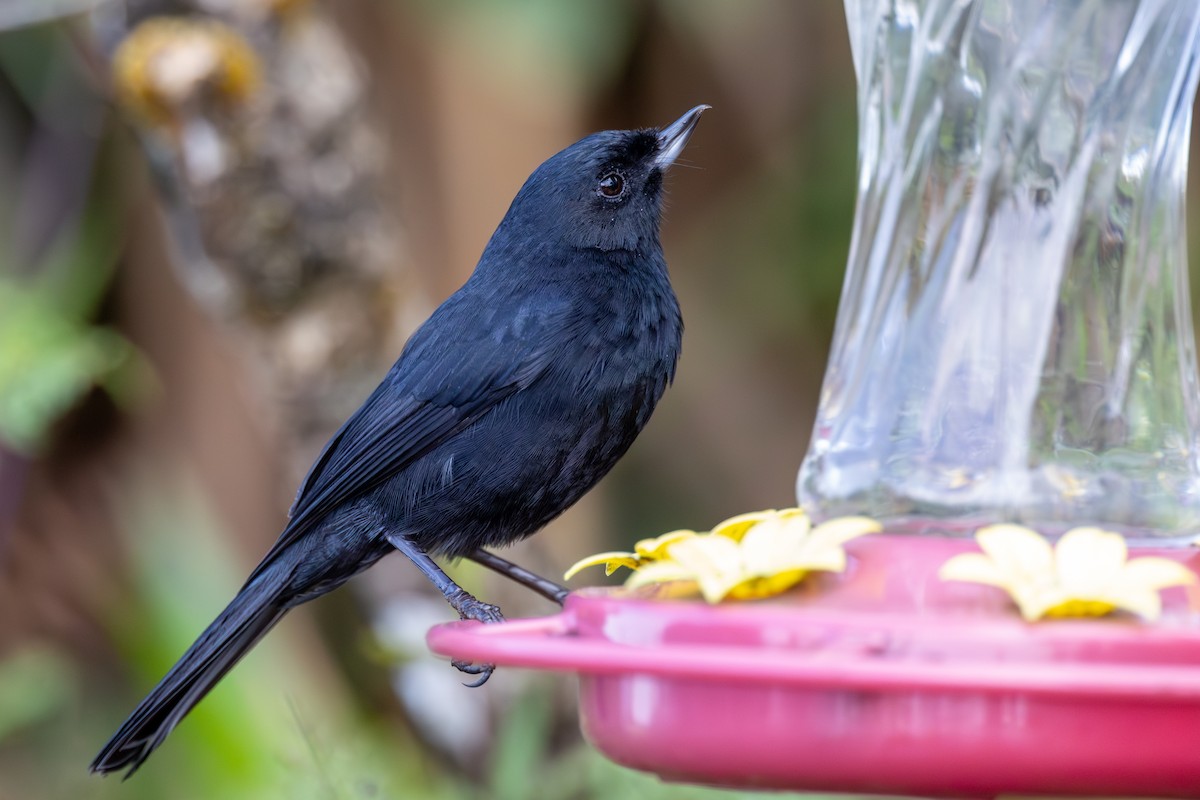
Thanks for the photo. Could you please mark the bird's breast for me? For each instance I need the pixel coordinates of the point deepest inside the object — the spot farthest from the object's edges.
(609, 359)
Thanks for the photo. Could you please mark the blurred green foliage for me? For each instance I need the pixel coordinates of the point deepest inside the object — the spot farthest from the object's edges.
(580, 44)
(51, 351)
(48, 361)
(36, 683)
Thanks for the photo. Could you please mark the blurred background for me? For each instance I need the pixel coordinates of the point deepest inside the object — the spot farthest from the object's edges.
(219, 221)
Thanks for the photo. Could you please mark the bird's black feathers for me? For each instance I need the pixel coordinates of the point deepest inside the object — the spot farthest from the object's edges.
(512, 400)
(427, 397)
(252, 613)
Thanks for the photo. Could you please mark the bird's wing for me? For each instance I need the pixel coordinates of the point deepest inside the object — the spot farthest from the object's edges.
(445, 380)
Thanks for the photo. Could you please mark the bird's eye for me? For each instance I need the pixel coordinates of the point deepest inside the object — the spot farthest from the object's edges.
(612, 185)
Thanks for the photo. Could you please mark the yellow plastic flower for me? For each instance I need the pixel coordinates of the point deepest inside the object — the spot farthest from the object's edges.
(1087, 574)
(769, 556)
(735, 527)
(650, 550)
(751, 555)
(644, 551)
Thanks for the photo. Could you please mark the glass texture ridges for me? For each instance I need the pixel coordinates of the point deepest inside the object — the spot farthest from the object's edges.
(1014, 340)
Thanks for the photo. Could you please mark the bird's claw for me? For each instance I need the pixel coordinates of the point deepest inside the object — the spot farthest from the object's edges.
(470, 607)
(484, 671)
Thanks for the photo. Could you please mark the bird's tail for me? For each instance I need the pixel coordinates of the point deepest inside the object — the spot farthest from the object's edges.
(253, 612)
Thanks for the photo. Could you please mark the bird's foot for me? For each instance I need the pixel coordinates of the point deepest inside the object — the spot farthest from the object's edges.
(484, 671)
(470, 607)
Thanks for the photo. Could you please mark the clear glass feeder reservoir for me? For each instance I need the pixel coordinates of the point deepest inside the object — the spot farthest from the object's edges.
(1014, 340)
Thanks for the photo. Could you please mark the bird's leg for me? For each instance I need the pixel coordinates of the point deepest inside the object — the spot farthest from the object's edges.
(543, 586)
(465, 603)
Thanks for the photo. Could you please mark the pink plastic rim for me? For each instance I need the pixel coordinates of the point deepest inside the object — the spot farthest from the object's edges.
(881, 680)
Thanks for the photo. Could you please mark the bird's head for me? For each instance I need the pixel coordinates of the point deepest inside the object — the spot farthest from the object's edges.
(605, 191)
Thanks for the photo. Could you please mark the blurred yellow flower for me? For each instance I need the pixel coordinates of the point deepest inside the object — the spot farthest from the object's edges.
(166, 63)
(747, 556)
(1087, 574)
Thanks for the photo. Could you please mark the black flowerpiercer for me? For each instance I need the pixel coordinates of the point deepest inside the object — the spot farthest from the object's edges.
(513, 399)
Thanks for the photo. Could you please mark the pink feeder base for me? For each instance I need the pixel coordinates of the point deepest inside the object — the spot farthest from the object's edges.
(883, 680)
